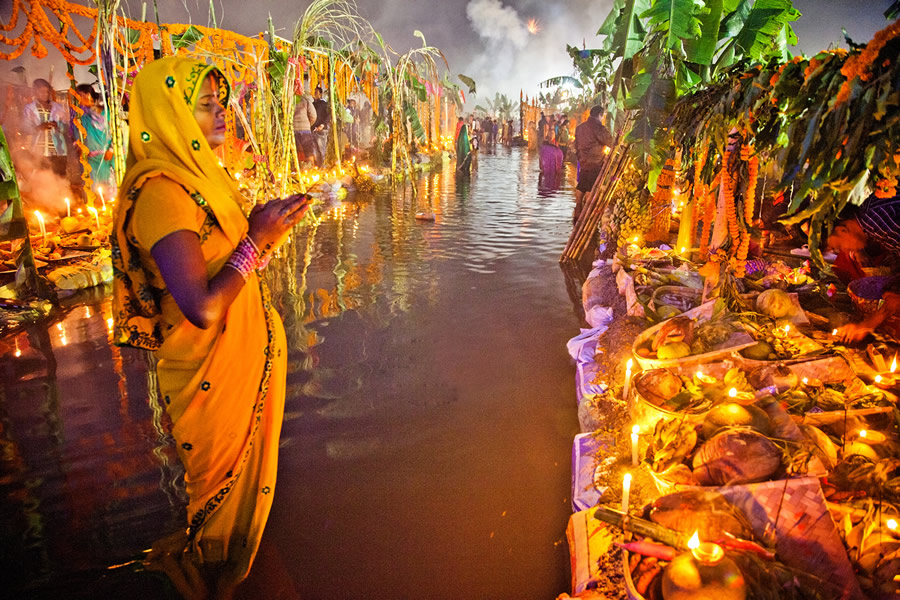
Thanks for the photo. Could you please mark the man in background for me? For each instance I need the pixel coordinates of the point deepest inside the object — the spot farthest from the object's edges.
(46, 121)
(304, 117)
(320, 126)
(592, 144)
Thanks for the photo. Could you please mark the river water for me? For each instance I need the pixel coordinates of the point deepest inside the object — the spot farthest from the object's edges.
(430, 413)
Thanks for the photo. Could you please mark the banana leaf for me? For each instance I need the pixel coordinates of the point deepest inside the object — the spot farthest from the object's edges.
(630, 32)
(702, 49)
(191, 36)
(470, 83)
(414, 123)
(766, 21)
(677, 18)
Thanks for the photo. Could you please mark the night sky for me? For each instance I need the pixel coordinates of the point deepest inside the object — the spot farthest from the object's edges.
(485, 39)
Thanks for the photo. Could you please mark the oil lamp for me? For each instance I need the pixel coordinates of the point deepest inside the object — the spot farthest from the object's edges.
(703, 573)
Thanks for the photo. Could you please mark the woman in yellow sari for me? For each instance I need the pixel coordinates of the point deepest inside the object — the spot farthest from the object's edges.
(186, 287)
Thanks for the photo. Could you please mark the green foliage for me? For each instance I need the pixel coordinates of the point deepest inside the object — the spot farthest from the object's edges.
(470, 83)
(187, 39)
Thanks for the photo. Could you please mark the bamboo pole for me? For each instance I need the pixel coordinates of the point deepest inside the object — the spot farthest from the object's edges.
(602, 201)
(598, 197)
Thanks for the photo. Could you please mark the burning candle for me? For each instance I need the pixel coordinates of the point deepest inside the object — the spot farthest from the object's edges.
(892, 524)
(732, 393)
(102, 199)
(634, 445)
(96, 216)
(40, 219)
(68, 207)
(626, 491)
(627, 386)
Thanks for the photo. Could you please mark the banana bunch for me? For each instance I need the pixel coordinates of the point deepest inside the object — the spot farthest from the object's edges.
(672, 442)
(631, 212)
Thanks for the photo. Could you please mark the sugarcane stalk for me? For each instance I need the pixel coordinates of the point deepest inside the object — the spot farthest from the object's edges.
(643, 527)
(601, 188)
(593, 211)
(600, 205)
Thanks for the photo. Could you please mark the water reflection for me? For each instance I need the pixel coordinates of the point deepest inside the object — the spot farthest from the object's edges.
(428, 388)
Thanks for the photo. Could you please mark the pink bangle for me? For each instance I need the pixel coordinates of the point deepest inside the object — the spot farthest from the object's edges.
(244, 259)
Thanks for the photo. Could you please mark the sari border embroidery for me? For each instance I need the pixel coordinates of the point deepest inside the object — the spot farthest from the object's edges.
(203, 515)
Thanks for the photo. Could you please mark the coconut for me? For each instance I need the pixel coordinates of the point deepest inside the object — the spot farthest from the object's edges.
(823, 447)
(704, 511)
(775, 303)
(736, 456)
(758, 351)
(735, 415)
(658, 385)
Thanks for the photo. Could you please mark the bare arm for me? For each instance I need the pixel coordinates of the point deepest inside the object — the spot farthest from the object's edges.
(205, 301)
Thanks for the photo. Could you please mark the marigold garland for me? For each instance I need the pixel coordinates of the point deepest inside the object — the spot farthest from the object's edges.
(858, 65)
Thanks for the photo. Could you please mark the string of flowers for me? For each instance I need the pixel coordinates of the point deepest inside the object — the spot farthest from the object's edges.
(859, 65)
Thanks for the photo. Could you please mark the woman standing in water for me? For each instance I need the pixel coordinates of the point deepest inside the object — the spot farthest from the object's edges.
(187, 287)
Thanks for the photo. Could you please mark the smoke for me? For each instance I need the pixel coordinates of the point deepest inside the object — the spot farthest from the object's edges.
(497, 24)
(513, 59)
(41, 188)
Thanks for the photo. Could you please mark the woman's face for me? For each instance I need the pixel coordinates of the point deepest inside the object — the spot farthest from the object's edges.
(210, 114)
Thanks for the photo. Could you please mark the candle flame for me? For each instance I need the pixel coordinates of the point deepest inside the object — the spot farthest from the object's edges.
(683, 249)
(878, 379)
(834, 332)
(635, 429)
(39, 216)
(629, 364)
(892, 524)
(626, 480)
(694, 542)
(806, 380)
(863, 433)
(732, 393)
(894, 364)
(699, 374)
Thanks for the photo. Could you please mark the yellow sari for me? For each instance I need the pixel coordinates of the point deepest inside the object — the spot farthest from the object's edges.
(224, 386)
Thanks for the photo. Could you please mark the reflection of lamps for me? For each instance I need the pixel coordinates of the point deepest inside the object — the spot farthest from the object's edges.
(704, 573)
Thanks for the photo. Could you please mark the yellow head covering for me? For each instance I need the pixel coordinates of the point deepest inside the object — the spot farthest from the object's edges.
(165, 140)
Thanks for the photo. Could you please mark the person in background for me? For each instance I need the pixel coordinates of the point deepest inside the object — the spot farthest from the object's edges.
(352, 125)
(188, 288)
(592, 143)
(862, 237)
(562, 137)
(541, 130)
(321, 126)
(304, 117)
(47, 123)
(550, 155)
(98, 140)
(463, 147)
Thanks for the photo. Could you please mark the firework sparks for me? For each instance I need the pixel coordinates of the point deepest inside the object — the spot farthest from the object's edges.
(534, 26)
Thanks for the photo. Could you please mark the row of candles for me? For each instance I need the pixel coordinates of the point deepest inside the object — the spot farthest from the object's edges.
(91, 209)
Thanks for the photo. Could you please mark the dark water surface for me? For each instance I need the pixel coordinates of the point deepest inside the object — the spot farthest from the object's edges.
(429, 420)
